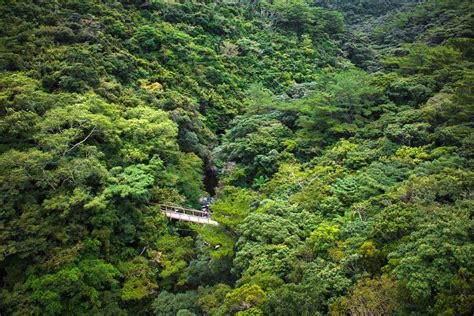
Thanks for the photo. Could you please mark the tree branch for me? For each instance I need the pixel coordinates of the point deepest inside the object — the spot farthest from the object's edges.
(82, 141)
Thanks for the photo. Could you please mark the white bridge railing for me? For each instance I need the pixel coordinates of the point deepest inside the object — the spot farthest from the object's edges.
(187, 214)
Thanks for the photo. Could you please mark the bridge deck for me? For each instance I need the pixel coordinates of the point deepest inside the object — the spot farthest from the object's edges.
(187, 214)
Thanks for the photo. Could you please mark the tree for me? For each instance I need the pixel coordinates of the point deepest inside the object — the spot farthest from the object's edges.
(439, 249)
(76, 289)
(296, 14)
(371, 296)
(257, 143)
(139, 282)
(244, 298)
(169, 304)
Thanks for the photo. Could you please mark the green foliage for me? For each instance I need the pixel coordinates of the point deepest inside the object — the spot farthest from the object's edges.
(381, 160)
(229, 212)
(211, 299)
(347, 101)
(244, 298)
(257, 143)
(139, 281)
(378, 296)
(324, 237)
(343, 148)
(170, 304)
(89, 285)
(439, 248)
(235, 205)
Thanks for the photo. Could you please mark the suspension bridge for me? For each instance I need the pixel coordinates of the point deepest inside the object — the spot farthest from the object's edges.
(187, 214)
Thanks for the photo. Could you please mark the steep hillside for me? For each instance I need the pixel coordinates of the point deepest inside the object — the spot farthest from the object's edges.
(341, 134)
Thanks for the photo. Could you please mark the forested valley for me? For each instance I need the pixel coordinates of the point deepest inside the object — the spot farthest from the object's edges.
(336, 138)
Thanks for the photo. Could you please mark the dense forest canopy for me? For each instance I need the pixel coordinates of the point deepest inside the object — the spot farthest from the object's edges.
(341, 133)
